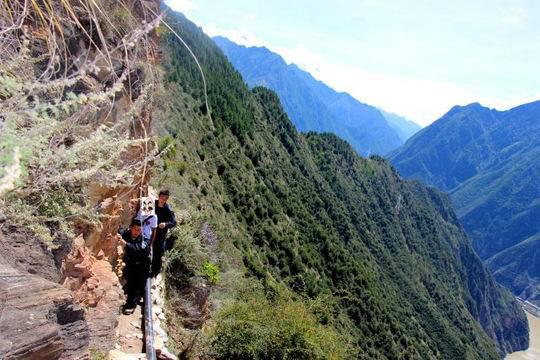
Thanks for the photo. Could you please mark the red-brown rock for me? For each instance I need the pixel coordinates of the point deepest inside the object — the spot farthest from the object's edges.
(39, 319)
(94, 285)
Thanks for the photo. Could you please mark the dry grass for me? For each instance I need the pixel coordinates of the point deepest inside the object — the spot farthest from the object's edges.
(76, 91)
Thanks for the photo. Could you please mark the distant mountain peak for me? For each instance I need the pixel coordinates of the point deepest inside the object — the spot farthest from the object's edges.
(224, 42)
(313, 105)
(472, 106)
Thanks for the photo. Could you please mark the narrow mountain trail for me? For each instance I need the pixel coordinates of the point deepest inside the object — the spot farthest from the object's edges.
(130, 332)
(129, 344)
(130, 336)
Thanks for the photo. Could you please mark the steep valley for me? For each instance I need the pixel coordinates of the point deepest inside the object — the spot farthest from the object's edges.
(487, 160)
(306, 218)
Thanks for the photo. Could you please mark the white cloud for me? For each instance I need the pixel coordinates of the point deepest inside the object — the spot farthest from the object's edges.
(418, 99)
(184, 6)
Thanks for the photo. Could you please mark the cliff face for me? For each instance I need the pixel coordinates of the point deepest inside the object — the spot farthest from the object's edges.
(492, 306)
(84, 159)
(39, 319)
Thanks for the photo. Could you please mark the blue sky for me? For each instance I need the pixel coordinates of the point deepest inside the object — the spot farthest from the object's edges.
(416, 58)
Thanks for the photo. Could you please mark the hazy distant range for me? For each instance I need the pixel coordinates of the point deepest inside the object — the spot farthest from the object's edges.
(314, 106)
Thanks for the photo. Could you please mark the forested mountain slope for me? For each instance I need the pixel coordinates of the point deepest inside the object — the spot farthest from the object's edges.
(378, 267)
(488, 161)
(311, 104)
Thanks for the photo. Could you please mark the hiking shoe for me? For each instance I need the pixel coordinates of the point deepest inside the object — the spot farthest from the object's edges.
(129, 308)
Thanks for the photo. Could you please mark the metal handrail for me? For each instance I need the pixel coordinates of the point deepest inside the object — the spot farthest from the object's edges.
(148, 326)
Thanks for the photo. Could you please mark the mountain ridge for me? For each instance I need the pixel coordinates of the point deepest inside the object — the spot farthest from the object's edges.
(487, 160)
(312, 104)
(404, 127)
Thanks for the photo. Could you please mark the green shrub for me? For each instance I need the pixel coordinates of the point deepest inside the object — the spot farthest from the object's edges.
(210, 271)
(166, 143)
(186, 258)
(181, 167)
(177, 167)
(195, 180)
(255, 327)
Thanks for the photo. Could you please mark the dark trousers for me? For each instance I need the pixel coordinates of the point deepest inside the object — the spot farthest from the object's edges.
(135, 274)
(158, 248)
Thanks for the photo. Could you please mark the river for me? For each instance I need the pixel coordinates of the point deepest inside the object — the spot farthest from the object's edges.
(533, 352)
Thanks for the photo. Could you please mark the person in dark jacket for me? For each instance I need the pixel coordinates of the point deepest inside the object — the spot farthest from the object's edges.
(136, 258)
(166, 221)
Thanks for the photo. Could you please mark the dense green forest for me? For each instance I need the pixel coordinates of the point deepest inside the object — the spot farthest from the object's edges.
(310, 251)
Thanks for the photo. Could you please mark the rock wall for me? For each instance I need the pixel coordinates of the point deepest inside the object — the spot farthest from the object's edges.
(72, 303)
(23, 251)
(84, 273)
(39, 319)
(92, 270)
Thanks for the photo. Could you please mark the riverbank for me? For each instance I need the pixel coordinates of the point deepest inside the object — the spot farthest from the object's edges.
(533, 352)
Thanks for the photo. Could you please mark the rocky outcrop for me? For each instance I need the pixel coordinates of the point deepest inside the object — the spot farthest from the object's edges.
(39, 319)
(92, 269)
(507, 325)
(88, 270)
(23, 251)
(94, 285)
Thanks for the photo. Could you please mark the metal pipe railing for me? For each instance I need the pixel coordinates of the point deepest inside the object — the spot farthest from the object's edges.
(148, 326)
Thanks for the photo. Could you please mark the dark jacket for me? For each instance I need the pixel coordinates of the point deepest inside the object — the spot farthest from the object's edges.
(165, 215)
(136, 250)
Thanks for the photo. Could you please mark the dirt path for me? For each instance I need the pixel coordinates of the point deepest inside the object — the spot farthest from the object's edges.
(129, 332)
(533, 352)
